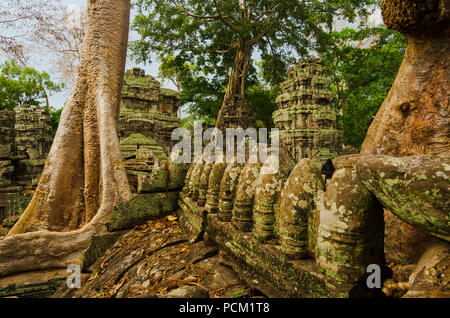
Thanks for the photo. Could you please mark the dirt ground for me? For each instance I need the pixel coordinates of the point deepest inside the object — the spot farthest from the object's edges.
(156, 260)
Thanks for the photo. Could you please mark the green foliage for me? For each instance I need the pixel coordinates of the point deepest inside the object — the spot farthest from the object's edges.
(20, 86)
(54, 119)
(261, 100)
(206, 32)
(203, 95)
(202, 38)
(363, 65)
(206, 35)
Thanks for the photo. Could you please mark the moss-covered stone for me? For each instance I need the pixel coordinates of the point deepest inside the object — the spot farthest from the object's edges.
(142, 208)
(165, 176)
(299, 215)
(264, 267)
(306, 118)
(351, 229)
(215, 179)
(268, 194)
(228, 188)
(414, 188)
(203, 184)
(245, 193)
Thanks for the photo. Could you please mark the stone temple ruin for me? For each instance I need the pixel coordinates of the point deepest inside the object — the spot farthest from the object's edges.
(306, 117)
(148, 109)
(148, 115)
(294, 234)
(25, 140)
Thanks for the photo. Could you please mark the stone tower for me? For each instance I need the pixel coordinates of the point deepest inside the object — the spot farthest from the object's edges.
(306, 117)
(148, 116)
(148, 109)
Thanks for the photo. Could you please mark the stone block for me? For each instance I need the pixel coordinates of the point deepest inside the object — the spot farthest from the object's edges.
(142, 208)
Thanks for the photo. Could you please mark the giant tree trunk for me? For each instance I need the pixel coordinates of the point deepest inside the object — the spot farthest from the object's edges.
(84, 176)
(414, 118)
(235, 112)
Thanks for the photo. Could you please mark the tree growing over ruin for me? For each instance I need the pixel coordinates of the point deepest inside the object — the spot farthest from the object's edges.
(413, 119)
(84, 175)
(225, 34)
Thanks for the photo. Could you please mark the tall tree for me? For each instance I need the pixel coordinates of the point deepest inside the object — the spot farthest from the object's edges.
(203, 90)
(84, 176)
(225, 34)
(413, 119)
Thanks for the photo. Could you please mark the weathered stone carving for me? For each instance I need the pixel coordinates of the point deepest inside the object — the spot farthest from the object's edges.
(299, 216)
(350, 233)
(165, 176)
(203, 184)
(7, 122)
(148, 109)
(339, 229)
(215, 179)
(414, 188)
(25, 140)
(32, 142)
(306, 118)
(268, 194)
(228, 188)
(194, 184)
(245, 193)
(146, 121)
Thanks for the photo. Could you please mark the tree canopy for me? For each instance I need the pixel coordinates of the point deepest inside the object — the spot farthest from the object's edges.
(221, 37)
(362, 66)
(24, 86)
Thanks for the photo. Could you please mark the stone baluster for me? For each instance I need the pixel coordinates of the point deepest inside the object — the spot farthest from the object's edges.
(215, 179)
(228, 187)
(299, 216)
(350, 235)
(268, 194)
(203, 184)
(185, 191)
(243, 205)
(196, 175)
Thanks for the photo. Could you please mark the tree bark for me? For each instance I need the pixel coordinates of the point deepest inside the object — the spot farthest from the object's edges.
(234, 112)
(84, 176)
(413, 119)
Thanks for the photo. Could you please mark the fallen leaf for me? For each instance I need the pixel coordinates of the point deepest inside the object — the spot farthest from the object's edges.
(239, 292)
(171, 218)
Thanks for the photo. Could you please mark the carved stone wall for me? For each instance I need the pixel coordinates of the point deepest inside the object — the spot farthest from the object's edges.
(306, 117)
(148, 109)
(33, 141)
(148, 116)
(25, 140)
(292, 234)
